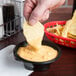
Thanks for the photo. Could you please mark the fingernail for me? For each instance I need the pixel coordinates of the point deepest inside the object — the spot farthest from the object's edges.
(32, 22)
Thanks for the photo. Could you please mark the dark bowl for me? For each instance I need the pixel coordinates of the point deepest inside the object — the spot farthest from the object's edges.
(37, 66)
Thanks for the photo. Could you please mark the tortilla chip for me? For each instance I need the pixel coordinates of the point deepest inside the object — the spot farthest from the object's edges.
(55, 30)
(72, 29)
(74, 17)
(33, 34)
(66, 28)
(71, 36)
(58, 32)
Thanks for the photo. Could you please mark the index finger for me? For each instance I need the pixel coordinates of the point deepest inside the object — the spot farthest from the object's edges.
(28, 7)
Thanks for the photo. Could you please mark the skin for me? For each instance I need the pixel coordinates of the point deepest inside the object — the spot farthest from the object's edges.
(38, 10)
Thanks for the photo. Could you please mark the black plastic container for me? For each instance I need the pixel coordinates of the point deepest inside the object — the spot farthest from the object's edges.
(8, 17)
(37, 66)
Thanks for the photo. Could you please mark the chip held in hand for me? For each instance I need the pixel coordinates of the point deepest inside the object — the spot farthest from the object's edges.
(34, 34)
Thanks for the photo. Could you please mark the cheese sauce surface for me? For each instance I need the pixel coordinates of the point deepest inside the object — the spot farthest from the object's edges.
(45, 53)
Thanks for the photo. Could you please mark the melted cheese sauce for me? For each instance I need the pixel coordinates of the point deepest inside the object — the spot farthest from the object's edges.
(45, 53)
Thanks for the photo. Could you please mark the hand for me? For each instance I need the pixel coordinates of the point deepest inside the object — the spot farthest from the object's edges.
(38, 10)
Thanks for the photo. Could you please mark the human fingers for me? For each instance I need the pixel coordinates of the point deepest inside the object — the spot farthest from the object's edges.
(28, 7)
(61, 2)
(37, 14)
(45, 16)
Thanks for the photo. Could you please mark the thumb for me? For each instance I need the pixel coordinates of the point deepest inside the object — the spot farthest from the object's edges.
(37, 14)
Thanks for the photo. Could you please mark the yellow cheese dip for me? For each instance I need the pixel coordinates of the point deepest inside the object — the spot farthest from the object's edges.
(45, 53)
